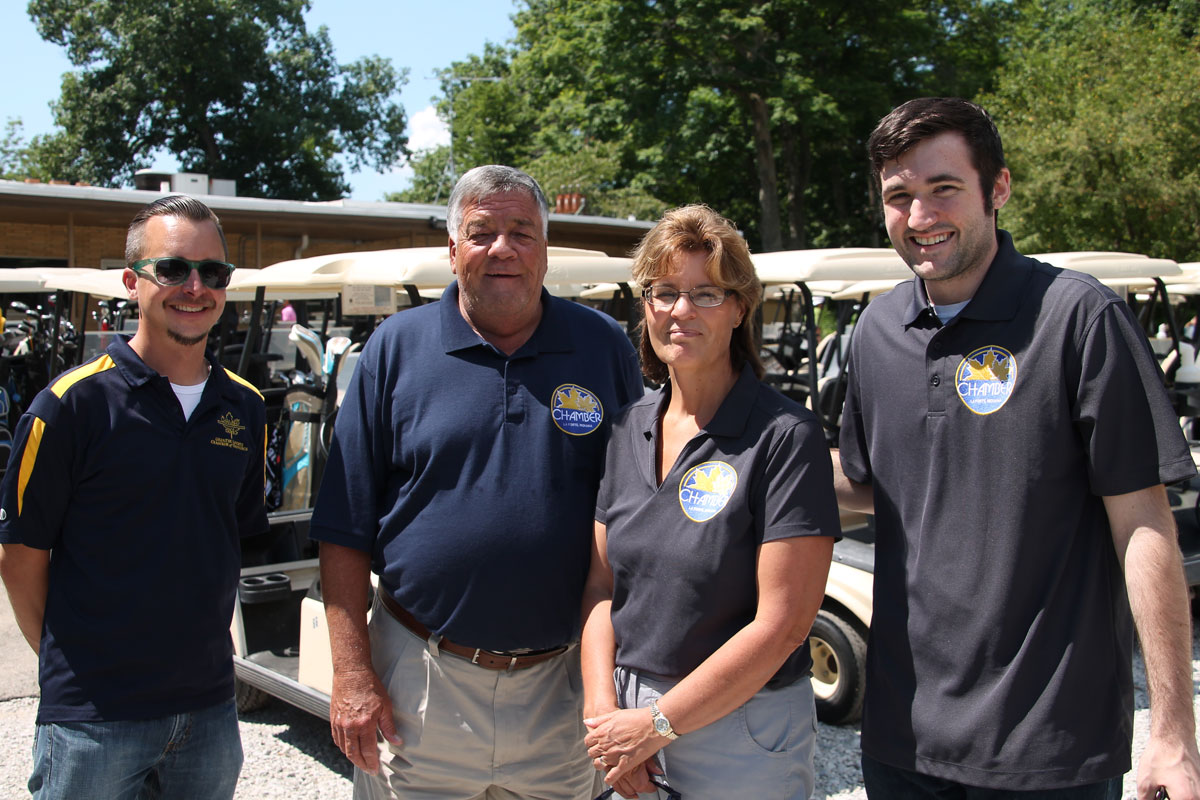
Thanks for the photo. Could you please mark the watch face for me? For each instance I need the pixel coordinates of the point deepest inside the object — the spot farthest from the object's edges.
(661, 725)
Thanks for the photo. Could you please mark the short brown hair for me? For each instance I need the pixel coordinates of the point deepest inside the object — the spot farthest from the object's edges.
(926, 117)
(691, 229)
(173, 205)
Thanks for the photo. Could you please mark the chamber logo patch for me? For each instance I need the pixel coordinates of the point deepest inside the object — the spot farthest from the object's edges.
(576, 410)
(232, 427)
(706, 489)
(985, 379)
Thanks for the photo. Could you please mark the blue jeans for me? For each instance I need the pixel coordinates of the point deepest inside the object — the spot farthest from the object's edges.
(193, 756)
(885, 782)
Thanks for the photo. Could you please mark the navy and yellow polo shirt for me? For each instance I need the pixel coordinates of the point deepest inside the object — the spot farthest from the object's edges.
(142, 511)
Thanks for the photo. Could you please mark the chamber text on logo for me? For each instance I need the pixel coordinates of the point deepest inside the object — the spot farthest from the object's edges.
(576, 410)
(706, 489)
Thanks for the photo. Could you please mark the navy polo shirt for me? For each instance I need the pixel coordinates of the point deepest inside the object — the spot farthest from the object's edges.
(470, 475)
(142, 511)
(1001, 640)
(684, 554)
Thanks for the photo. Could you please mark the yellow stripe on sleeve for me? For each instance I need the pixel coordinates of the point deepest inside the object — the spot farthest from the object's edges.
(28, 458)
(239, 379)
(60, 386)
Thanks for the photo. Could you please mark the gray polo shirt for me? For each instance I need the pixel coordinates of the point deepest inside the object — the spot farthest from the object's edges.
(683, 554)
(1001, 641)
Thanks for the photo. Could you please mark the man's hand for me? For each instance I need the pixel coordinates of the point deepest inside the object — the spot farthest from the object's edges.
(359, 707)
(1174, 765)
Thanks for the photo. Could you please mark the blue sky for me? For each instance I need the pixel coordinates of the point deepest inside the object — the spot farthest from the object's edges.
(422, 36)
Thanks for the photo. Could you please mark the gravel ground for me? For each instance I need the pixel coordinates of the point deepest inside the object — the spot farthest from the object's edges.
(289, 753)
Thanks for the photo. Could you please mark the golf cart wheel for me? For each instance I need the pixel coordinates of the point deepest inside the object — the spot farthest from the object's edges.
(839, 656)
(248, 698)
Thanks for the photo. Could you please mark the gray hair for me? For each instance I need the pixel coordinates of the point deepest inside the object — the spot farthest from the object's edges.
(173, 205)
(488, 180)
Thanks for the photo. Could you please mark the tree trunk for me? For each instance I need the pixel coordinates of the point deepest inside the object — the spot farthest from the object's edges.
(768, 184)
(797, 159)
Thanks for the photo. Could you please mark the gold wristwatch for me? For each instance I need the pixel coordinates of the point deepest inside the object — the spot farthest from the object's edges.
(662, 725)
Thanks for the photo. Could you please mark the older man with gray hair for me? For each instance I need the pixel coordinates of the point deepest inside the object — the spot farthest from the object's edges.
(463, 472)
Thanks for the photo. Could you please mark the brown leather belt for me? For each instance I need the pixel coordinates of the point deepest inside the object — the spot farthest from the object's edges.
(487, 659)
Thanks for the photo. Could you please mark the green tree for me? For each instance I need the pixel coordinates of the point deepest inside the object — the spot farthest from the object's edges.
(233, 88)
(1100, 160)
(432, 179)
(14, 159)
(757, 107)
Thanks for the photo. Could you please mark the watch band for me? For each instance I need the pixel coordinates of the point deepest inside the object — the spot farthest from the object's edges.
(662, 725)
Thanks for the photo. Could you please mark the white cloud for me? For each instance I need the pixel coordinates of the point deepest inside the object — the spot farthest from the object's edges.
(426, 131)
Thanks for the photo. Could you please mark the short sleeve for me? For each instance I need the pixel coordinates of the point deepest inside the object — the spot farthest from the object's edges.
(1121, 410)
(347, 509)
(796, 493)
(37, 485)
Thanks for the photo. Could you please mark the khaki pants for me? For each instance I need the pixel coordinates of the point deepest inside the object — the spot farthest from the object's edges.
(474, 733)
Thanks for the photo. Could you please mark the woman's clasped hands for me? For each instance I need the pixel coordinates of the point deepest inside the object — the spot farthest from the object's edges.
(622, 744)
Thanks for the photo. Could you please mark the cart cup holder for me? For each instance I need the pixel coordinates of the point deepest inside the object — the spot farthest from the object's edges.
(269, 588)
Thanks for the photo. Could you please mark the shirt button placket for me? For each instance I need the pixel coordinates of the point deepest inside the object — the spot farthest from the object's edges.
(935, 367)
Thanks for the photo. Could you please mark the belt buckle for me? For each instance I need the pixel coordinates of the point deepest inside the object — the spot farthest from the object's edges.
(512, 660)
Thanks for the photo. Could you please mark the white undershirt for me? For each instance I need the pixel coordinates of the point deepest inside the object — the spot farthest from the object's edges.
(189, 396)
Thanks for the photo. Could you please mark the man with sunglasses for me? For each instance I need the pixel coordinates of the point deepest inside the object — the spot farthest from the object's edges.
(132, 480)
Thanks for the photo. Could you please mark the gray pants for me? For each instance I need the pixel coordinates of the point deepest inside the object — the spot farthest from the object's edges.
(763, 749)
(474, 733)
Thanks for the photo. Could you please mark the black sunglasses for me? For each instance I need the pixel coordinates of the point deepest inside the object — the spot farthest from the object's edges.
(671, 793)
(174, 271)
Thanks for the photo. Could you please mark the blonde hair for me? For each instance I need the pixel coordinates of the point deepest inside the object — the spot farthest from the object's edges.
(697, 228)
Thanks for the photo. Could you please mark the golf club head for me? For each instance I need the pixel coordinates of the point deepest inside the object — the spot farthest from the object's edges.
(309, 343)
(334, 348)
(341, 359)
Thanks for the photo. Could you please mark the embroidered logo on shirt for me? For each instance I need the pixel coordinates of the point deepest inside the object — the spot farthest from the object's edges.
(985, 379)
(576, 410)
(233, 426)
(706, 489)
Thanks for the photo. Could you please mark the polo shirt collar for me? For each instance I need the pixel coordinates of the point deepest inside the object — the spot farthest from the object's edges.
(137, 373)
(553, 334)
(733, 415)
(129, 364)
(999, 294)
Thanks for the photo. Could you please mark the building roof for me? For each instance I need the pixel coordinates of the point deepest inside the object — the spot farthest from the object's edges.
(45, 203)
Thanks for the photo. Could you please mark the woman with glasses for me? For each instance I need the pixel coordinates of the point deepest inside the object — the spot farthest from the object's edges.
(714, 529)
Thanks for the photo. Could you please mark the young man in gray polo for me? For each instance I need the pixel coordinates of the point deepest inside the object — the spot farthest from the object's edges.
(1006, 423)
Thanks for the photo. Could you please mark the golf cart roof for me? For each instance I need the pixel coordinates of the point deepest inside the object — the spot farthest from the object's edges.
(1112, 267)
(35, 279)
(109, 283)
(843, 264)
(1188, 282)
(423, 267)
(1117, 270)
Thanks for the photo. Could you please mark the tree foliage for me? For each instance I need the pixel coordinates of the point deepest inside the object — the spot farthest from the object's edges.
(432, 179)
(233, 88)
(13, 151)
(1100, 113)
(757, 107)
